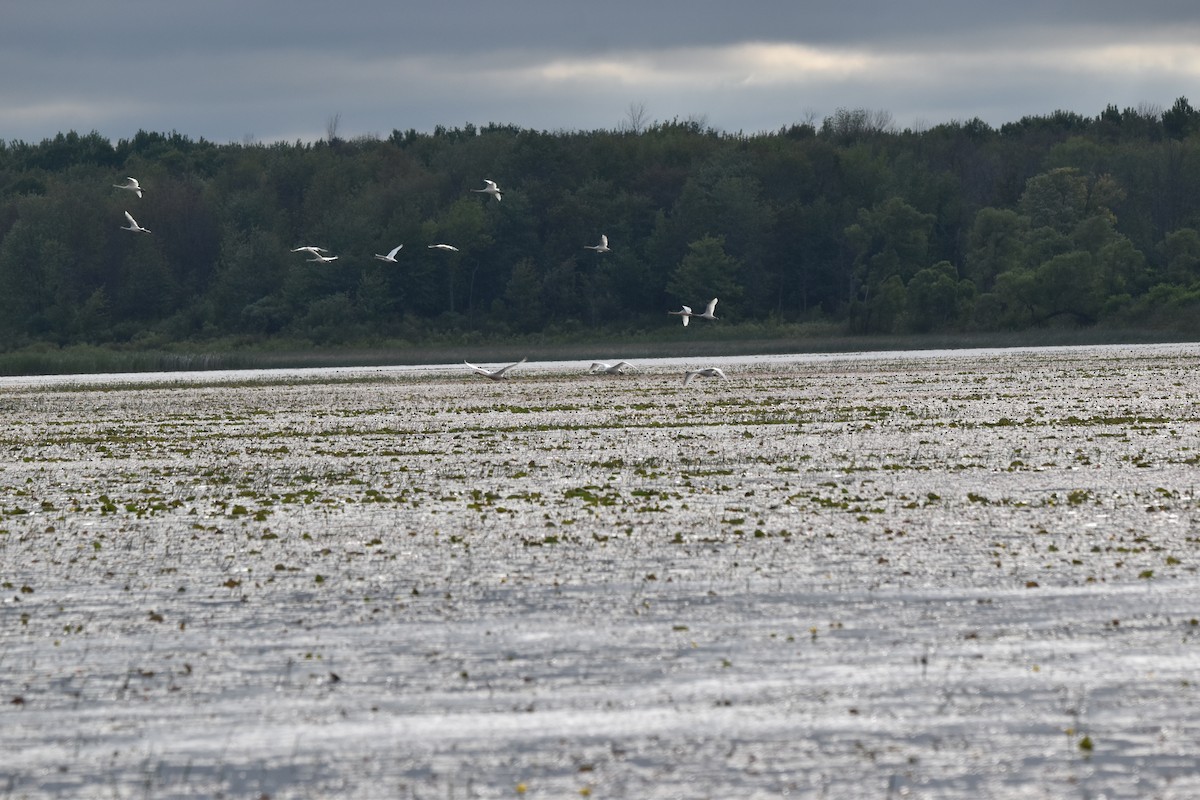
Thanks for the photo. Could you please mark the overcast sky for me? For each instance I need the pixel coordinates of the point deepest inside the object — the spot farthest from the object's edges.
(271, 70)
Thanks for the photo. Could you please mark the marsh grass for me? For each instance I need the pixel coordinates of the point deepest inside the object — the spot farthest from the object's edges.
(668, 341)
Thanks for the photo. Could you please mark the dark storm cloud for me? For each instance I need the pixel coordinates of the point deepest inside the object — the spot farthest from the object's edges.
(233, 69)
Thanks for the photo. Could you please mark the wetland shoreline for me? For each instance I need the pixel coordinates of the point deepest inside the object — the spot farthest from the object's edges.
(935, 573)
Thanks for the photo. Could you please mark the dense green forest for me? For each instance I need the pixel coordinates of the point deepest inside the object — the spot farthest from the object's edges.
(1050, 221)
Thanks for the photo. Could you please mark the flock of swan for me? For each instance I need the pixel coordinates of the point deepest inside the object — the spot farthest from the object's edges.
(321, 255)
(597, 367)
(686, 312)
(131, 185)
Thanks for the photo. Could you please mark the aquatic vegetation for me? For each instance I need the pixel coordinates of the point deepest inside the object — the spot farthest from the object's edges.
(927, 557)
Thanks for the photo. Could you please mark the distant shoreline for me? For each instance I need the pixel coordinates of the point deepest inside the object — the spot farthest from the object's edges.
(269, 354)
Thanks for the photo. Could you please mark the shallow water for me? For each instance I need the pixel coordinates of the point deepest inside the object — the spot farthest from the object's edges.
(928, 574)
(457, 368)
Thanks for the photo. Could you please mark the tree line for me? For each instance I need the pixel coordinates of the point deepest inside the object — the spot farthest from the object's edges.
(1053, 220)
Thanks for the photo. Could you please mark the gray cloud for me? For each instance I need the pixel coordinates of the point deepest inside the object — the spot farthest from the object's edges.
(228, 69)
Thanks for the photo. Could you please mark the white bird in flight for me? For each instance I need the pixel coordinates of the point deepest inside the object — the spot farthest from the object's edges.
(708, 372)
(391, 255)
(599, 248)
(611, 369)
(133, 226)
(131, 185)
(491, 188)
(708, 310)
(309, 248)
(494, 374)
(443, 247)
(685, 312)
(317, 257)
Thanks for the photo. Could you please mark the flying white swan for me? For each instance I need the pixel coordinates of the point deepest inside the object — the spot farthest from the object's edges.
(611, 369)
(599, 248)
(443, 247)
(708, 310)
(708, 372)
(133, 226)
(391, 255)
(685, 312)
(131, 185)
(309, 248)
(494, 374)
(322, 259)
(491, 188)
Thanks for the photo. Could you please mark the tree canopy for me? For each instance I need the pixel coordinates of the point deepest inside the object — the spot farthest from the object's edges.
(1057, 220)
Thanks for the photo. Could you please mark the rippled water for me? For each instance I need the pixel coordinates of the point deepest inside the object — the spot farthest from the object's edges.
(934, 574)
